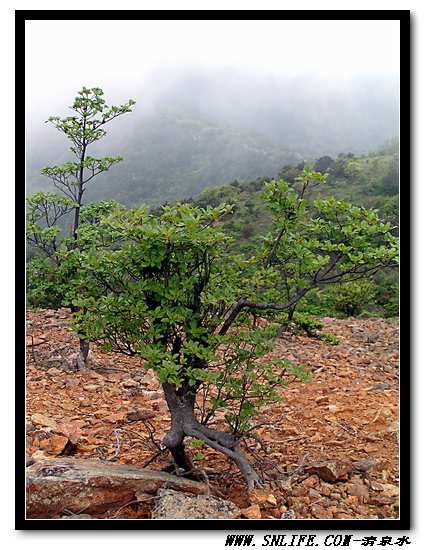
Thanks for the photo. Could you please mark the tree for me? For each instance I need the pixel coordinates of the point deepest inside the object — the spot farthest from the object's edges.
(289, 172)
(389, 183)
(83, 128)
(323, 164)
(49, 271)
(325, 242)
(351, 298)
(47, 210)
(169, 292)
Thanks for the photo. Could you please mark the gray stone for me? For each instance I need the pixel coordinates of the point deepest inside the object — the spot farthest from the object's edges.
(130, 383)
(381, 386)
(91, 387)
(29, 427)
(175, 505)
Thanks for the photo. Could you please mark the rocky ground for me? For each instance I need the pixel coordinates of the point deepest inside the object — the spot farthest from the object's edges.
(328, 450)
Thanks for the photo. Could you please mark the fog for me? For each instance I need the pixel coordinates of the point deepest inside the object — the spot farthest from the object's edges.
(216, 100)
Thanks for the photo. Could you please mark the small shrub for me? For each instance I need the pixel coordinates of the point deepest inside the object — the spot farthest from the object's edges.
(329, 338)
(350, 298)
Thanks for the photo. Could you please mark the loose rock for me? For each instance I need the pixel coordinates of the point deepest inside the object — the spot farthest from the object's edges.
(130, 383)
(54, 444)
(29, 427)
(42, 420)
(53, 371)
(358, 490)
(331, 470)
(252, 512)
(174, 505)
(140, 414)
(90, 387)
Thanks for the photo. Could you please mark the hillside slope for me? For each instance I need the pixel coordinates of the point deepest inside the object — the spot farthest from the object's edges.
(370, 180)
(171, 157)
(347, 414)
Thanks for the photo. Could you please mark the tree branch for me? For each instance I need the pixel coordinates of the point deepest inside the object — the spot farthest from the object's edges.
(248, 304)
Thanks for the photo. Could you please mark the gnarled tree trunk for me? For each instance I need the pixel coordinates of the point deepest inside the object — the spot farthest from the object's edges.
(181, 403)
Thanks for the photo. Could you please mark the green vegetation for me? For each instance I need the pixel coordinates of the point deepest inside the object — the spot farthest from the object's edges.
(155, 285)
(355, 179)
(176, 156)
(48, 278)
(182, 287)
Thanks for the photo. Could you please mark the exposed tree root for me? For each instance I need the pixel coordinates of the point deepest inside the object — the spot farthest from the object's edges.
(252, 479)
(184, 424)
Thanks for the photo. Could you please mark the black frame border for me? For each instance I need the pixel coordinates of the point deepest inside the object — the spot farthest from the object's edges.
(404, 521)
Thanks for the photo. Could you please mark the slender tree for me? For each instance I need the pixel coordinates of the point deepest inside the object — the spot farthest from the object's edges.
(85, 126)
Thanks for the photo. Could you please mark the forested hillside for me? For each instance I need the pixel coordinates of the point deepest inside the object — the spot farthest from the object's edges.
(196, 130)
(173, 156)
(370, 181)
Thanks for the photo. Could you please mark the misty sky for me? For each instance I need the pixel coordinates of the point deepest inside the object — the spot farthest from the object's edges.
(61, 56)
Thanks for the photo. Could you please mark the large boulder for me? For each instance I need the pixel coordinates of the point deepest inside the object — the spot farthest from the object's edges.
(69, 485)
